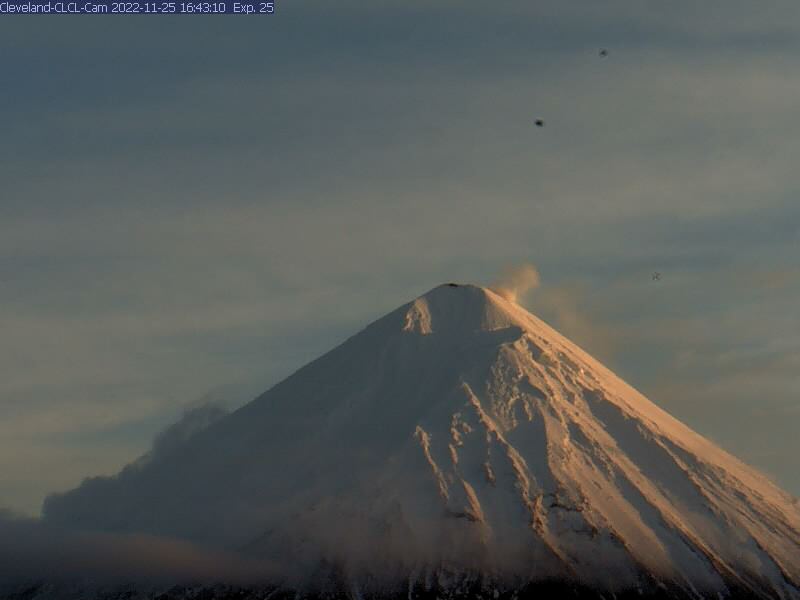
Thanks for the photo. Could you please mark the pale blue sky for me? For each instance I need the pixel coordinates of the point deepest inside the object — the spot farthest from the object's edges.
(194, 207)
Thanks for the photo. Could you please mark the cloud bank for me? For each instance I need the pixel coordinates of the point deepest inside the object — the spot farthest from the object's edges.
(31, 550)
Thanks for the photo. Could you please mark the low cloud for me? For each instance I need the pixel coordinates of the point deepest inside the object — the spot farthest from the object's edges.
(195, 419)
(31, 550)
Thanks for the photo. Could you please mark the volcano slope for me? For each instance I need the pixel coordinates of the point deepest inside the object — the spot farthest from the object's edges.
(460, 444)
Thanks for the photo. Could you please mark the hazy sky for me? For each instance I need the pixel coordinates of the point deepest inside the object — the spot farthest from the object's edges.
(193, 207)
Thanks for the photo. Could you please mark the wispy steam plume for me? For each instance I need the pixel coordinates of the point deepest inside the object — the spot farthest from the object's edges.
(516, 281)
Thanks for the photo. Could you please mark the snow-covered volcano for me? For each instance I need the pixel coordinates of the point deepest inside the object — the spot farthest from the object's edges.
(461, 430)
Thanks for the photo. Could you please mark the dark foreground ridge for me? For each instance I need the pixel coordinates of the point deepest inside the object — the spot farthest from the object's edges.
(474, 589)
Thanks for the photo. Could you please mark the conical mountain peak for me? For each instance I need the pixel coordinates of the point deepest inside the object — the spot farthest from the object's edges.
(455, 307)
(460, 429)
